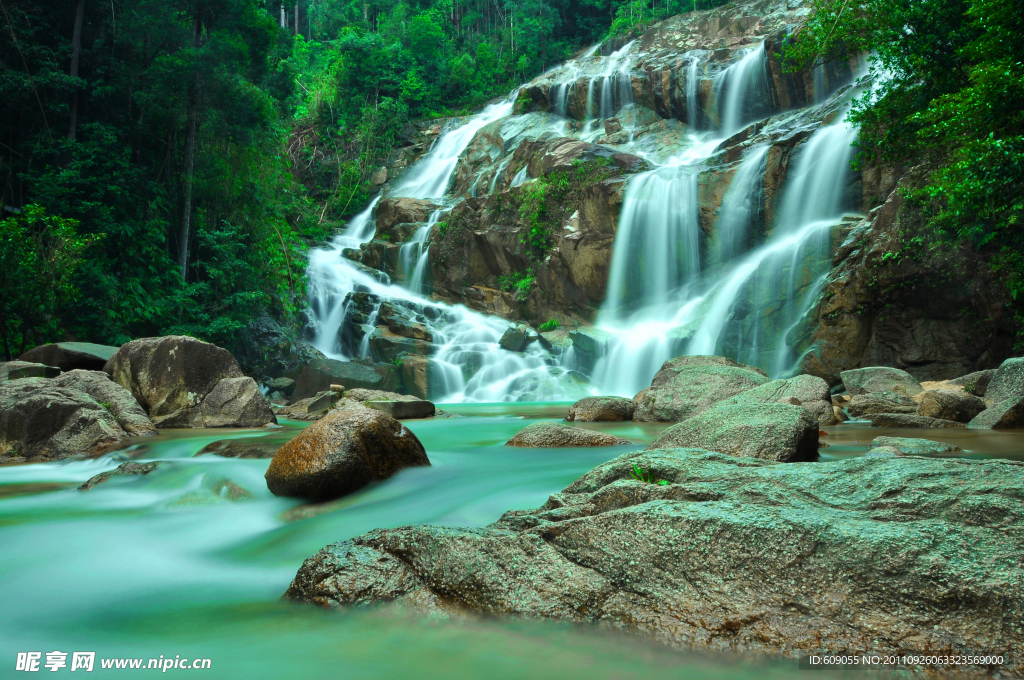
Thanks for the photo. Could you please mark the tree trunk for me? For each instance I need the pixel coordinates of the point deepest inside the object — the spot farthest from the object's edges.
(296, 20)
(190, 162)
(76, 49)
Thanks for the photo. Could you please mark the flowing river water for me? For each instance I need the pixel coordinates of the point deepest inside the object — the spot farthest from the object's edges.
(192, 558)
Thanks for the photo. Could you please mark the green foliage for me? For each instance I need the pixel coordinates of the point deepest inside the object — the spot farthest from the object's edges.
(638, 14)
(518, 283)
(550, 325)
(647, 476)
(39, 255)
(948, 101)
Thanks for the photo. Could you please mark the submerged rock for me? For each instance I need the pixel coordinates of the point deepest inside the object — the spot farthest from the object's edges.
(950, 405)
(342, 453)
(548, 434)
(598, 409)
(402, 409)
(68, 356)
(904, 446)
(910, 420)
(122, 469)
(768, 431)
(880, 379)
(1004, 415)
(686, 386)
(733, 554)
(242, 448)
(1007, 382)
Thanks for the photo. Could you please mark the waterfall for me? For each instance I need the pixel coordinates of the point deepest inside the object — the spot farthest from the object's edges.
(520, 177)
(693, 110)
(413, 257)
(740, 205)
(741, 92)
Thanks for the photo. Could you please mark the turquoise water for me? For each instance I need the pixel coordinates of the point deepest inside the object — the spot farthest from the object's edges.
(169, 564)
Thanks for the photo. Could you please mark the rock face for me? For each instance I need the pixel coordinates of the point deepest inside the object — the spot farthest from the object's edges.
(686, 386)
(1007, 383)
(734, 554)
(111, 396)
(874, 403)
(778, 432)
(808, 391)
(1004, 415)
(880, 379)
(560, 435)
(234, 402)
(342, 453)
(68, 356)
(170, 376)
(904, 446)
(950, 405)
(596, 409)
(320, 373)
(41, 421)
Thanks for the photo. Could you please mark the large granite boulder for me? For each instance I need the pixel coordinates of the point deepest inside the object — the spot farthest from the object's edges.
(598, 409)
(880, 379)
(41, 421)
(873, 403)
(686, 386)
(907, 446)
(1007, 383)
(808, 391)
(68, 356)
(16, 370)
(906, 555)
(342, 453)
(547, 434)
(950, 405)
(234, 402)
(400, 210)
(910, 420)
(974, 383)
(320, 373)
(768, 431)
(114, 398)
(1004, 415)
(170, 376)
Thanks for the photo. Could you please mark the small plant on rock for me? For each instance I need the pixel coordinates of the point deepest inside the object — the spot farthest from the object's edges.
(551, 325)
(647, 476)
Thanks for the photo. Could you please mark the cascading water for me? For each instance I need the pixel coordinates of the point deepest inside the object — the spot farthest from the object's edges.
(742, 202)
(413, 255)
(741, 92)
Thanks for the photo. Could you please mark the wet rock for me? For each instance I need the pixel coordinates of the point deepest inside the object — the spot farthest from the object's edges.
(122, 469)
(905, 446)
(67, 356)
(402, 410)
(732, 555)
(16, 370)
(387, 346)
(170, 376)
(1004, 415)
(873, 403)
(1007, 383)
(910, 420)
(379, 176)
(880, 379)
(398, 210)
(111, 396)
(687, 386)
(416, 374)
(596, 409)
(341, 453)
(974, 383)
(808, 391)
(234, 402)
(320, 373)
(767, 431)
(548, 434)
(950, 405)
(517, 338)
(286, 386)
(41, 421)
(242, 448)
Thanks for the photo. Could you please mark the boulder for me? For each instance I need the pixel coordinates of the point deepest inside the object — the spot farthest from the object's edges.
(402, 409)
(234, 402)
(808, 391)
(342, 453)
(880, 379)
(249, 447)
(733, 555)
(16, 370)
(974, 383)
(399, 210)
(597, 409)
(687, 386)
(950, 405)
(547, 434)
(909, 420)
(779, 432)
(320, 373)
(1004, 415)
(416, 374)
(286, 386)
(873, 403)
(41, 421)
(169, 376)
(516, 338)
(111, 396)
(67, 356)
(122, 469)
(1007, 383)
(905, 446)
